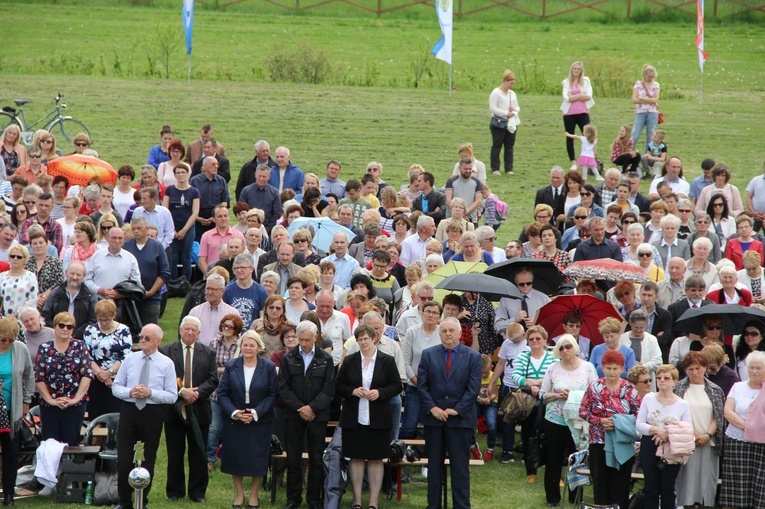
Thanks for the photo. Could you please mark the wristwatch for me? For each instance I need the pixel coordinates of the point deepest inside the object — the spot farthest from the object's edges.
(111, 370)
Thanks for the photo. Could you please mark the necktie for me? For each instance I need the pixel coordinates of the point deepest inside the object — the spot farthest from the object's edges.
(187, 368)
(694, 306)
(555, 194)
(143, 379)
(525, 305)
(449, 352)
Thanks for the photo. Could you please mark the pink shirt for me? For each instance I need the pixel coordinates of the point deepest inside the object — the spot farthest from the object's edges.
(212, 242)
(577, 107)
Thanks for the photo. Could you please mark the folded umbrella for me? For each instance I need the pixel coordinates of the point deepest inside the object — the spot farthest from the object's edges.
(590, 309)
(734, 318)
(547, 277)
(322, 228)
(492, 288)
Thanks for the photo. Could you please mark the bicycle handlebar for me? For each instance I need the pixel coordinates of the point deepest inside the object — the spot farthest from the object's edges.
(58, 97)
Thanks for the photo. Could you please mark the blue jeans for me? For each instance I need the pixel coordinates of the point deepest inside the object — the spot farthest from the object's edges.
(490, 414)
(647, 121)
(216, 426)
(182, 254)
(395, 413)
(508, 430)
(411, 413)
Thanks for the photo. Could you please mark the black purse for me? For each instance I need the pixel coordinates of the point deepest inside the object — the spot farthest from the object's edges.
(499, 122)
(536, 456)
(5, 418)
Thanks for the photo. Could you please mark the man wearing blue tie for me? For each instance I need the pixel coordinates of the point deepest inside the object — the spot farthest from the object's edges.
(448, 382)
(146, 384)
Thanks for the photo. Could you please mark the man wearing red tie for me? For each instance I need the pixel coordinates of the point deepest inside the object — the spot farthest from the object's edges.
(448, 382)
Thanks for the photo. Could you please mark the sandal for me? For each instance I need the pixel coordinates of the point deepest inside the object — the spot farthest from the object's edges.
(356, 506)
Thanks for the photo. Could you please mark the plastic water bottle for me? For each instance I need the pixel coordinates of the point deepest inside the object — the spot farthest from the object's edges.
(89, 493)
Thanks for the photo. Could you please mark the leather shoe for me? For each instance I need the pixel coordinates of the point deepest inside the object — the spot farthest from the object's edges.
(199, 500)
(173, 498)
(120, 506)
(291, 505)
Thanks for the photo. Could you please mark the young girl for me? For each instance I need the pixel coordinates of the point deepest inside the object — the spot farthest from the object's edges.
(623, 151)
(587, 157)
(492, 217)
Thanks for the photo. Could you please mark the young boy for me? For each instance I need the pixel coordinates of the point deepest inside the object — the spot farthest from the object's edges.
(656, 155)
(354, 199)
(369, 190)
(487, 406)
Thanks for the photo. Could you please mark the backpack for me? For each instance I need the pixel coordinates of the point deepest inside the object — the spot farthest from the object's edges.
(502, 207)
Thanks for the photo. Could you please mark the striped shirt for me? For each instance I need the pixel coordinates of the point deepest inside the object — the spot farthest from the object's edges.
(525, 369)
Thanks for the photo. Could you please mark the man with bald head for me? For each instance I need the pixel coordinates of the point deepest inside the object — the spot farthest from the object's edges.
(344, 263)
(334, 324)
(286, 175)
(74, 297)
(234, 247)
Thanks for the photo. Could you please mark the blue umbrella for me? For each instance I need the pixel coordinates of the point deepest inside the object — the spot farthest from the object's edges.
(322, 228)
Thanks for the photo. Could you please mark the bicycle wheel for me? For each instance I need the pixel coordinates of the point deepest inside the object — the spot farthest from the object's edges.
(7, 119)
(67, 128)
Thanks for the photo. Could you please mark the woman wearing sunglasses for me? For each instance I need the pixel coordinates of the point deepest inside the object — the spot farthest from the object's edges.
(587, 197)
(63, 374)
(18, 286)
(711, 334)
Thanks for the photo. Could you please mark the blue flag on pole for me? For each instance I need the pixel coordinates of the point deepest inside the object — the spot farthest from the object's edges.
(188, 22)
(443, 48)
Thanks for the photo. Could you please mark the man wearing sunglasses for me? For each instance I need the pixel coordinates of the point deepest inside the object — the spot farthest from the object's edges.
(523, 310)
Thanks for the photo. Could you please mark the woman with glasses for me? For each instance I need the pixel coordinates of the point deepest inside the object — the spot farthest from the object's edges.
(657, 411)
(645, 261)
(271, 324)
(182, 200)
(640, 378)
(743, 465)
(699, 264)
(717, 372)
(108, 342)
(722, 223)
(627, 219)
(83, 243)
(712, 335)
(587, 197)
(81, 142)
(63, 374)
(701, 224)
(106, 223)
(13, 152)
(48, 269)
(17, 383)
(572, 325)
(18, 286)
(226, 347)
(401, 228)
(46, 142)
(684, 212)
(578, 232)
(302, 239)
(751, 341)
(376, 170)
(635, 234)
(570, 374)
(165, 170)
(745, 242)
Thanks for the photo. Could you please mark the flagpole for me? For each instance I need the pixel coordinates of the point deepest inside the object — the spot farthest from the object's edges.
(189, 71)
(450, 80)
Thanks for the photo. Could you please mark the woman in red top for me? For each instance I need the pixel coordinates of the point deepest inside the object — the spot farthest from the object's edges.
(734, 251)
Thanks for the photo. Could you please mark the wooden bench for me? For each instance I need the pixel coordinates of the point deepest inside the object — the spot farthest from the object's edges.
(423, 462)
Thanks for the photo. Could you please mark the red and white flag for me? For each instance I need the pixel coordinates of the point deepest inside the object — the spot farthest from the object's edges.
(700, 33)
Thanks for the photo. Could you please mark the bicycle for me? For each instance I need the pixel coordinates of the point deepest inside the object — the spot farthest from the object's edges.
(62, 127)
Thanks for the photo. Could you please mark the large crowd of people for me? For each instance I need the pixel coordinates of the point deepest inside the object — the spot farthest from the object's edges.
(288, 327)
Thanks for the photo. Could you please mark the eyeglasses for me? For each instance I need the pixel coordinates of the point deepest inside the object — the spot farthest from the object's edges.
(524, 284)
(718, 204)
(751, 333)
(425, 297)
(490, 239)
(106, 227)
(585, 194)
(301, 241)
(227, 326)
(81, 144)
(430, 312)
(67, 326)
(664, 378)
(567, 346)
(373, 169)
(38, 156)
(539, 218)
(713, 326)
(32, 202)
(574, 325)
(275, 308)
(580, 217)
(645, 255)
(290, 336)
(15, 257)
(647, 381)
(46, 141)
(145, 338)
(630, 221)
(246, 267)
(684, 211)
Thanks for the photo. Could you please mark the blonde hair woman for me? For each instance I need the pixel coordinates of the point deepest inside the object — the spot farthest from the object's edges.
(46, 142)
(479, 168)
(14, 154)
(503, 106)
(577, 101)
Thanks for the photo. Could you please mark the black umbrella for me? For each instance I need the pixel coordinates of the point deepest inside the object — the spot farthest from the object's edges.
(734, 318)
(547, 277)
(492, 288)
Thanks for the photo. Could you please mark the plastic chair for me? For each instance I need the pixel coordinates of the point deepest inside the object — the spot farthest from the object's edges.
(109, 443)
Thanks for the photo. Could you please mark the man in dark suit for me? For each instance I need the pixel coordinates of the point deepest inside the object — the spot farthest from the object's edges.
(306, 386)
(695, 292)
(197, 374)
(659, 319)
(210, 149)
(553, 195)
(247, 173)
(431, 202)
(448, 382)
(640, 201)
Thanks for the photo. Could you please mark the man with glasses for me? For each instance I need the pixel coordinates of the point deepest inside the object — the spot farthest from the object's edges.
(487, 238)
(34, 169)
(247, 296)
(513, 249)
(597, 246)
(53, 230)
(424, 291)
(522, 310)
(146, 383)
(702, 222)
(636, 198)
(212, 311)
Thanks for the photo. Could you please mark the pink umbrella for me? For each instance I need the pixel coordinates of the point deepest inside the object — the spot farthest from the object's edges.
(606, 269)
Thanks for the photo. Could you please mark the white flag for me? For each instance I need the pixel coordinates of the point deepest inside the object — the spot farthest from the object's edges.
(443, 48)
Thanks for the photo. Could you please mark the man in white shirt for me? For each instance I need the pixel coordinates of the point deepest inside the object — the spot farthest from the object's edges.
(680, 187)
(110, 266)
(157, 216)
(413, 247)
(334, 324)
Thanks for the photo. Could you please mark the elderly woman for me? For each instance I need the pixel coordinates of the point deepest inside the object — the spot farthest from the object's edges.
(354, 300)
(84, 246)
(13, 152)
(603, 399)
(645, 253)
(587, 197)
(454, 231)
(684, 212)
(658, 410)
(745, 242)
(717, 372)
(18, 385)
(247, 395)
(645, 97)
(699, 263)
(577, 101)
(226, 347)
(471, 251)
(108, 343)
(752, 277)
(302, 238)
(668, 244)
(48, 269)
(640, 378)
(701, 224)
(270, 325)
(645, 345)
(570, 374)
(459, 213)
(751, 340)
(697, 480)
(576, 233)
(366, 381)
(572, 326)
(611, 329)
(401, 227)
(289, 340)
(18, 286)
(730, 293)
(722, 222)
(721, 185)
(743, 465)
(149, 178)
(63, 374)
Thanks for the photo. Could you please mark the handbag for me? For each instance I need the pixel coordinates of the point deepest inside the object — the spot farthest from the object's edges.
(5, 418)
(637, 500)
(661, 118)
(499, 122)
(537, 445)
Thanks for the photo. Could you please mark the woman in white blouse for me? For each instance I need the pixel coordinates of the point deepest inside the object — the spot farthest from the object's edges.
(503, 106)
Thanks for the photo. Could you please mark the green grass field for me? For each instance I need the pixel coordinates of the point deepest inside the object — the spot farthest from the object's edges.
(95, 53)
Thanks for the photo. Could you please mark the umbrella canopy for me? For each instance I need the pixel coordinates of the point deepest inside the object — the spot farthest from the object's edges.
(450, 269)
(323, 229)
(547, 277)
(80, 169)
(492, 288)
(607, 270)
(734, 318)
(590, 309)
